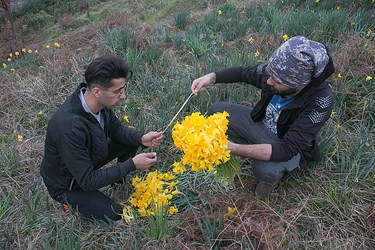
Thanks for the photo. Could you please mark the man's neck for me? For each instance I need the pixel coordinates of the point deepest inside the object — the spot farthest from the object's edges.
(91, 102)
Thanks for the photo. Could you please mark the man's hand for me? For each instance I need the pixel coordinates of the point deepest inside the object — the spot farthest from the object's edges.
(231, 146)
(152, 139)
(144, 161)
(201, 83)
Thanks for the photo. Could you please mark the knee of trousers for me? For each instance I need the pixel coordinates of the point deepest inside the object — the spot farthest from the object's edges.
(268, 171)
(105, 213)
(127, 154)
(216, 107)
(114, 212)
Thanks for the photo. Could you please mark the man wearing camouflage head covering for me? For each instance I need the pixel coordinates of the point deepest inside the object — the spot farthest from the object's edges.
(279, 133)
(295, 62)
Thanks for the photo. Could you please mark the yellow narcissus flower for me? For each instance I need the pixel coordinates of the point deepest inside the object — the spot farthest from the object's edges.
(57, 45)
(168, 177)
(175, 192)
(178, 168)
(231, 210)
(142, 212)
(202, 140)
(285, 37)
(368, 78)
(153, 193)
(20, 138)
(48, 46)
(126, 118)
(17, 53)
(4, 66)
(173, 209)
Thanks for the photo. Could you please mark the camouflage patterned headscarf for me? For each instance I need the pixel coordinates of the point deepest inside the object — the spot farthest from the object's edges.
(296, 61)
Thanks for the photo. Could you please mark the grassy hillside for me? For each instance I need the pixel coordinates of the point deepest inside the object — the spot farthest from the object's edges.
(331, 205)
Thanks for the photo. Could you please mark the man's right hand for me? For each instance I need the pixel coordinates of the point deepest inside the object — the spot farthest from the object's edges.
(144, 161)
(202, 82)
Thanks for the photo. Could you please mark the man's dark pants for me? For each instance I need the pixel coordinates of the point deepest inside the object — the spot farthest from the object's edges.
(96, 204)
(243, 130)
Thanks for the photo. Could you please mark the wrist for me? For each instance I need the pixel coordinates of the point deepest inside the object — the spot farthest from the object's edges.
(127, 166)
(213, 77)
(235, 148)
(143, 140)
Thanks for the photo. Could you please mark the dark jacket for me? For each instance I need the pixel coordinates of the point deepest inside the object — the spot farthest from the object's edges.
(76, 147)
(298, 124)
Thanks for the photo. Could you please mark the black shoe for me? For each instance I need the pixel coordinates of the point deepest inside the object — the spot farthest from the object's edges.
(265, 188)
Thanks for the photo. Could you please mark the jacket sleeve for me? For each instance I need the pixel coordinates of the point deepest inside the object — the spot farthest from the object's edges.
(253, 75)
(121, 134)
(304, 130)
(76, 158)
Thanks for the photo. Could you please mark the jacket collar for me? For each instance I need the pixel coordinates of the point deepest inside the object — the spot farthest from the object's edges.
(77, 104)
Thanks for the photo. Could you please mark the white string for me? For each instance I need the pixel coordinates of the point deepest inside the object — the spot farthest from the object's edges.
(183, 105)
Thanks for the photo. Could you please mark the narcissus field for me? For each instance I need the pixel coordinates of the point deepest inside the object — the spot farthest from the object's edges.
(196, 196)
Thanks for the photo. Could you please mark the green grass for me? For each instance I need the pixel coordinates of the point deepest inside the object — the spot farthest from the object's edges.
(168, 44)
(181, 19)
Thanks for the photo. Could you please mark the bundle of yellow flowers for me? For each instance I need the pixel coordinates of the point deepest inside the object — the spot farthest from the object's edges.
(202, 140)
(153, 194)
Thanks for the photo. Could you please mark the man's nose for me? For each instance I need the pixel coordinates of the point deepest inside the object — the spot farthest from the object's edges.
(122, 96)
(270, 82)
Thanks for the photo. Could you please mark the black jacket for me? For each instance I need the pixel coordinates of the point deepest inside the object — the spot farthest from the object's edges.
(76, 146)
(299, 124)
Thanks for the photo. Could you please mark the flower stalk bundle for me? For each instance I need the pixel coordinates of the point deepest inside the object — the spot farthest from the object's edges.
(203, 141)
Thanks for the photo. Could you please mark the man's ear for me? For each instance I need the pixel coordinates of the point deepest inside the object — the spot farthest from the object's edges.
(96, 91)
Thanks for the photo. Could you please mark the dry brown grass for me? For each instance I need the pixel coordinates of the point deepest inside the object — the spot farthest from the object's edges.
(254, 220)
(355, 56)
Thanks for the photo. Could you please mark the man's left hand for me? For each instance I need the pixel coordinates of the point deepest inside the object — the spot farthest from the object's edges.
(152, 139)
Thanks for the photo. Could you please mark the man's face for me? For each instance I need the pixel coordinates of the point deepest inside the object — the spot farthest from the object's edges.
(112, 96)
(280, 89)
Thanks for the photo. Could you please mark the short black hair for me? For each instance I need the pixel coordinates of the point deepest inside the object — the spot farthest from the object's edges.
(104, 69)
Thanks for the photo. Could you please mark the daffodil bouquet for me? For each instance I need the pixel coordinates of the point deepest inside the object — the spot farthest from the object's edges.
(152, 198)
(153, 194)
(203, 141)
